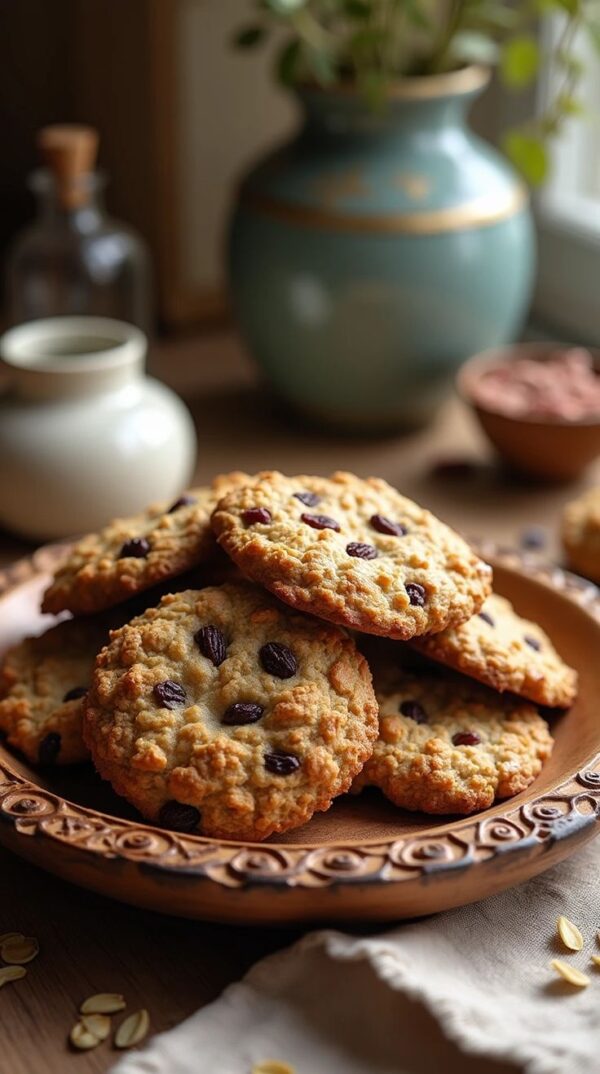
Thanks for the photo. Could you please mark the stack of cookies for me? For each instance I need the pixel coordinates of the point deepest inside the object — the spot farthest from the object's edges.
(240, 658)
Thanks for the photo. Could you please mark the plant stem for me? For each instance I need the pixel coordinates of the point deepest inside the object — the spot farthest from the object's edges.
(311, 30)
(395, 18)
(440, 52)
(564, 45)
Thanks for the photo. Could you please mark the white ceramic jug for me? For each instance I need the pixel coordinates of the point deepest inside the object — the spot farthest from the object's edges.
(85, 436)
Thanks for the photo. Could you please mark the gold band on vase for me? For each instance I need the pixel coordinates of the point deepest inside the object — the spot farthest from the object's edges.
(418, 88)
(480, 212)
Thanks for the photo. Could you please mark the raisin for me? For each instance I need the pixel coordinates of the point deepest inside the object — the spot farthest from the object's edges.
(309, 499)
(361, 551)
(278, 660)
(413, 710)
(183, 501)
(75, 693)
(170, 694)
(416, 594)
(281, 764)
(385, 525)
(49, 748)
(320, 522)
(256, 514)
(179, 817)
(212, 644)
(466, 738)
(242, 712)
(534, 537)
(533, 643)
(136, 548)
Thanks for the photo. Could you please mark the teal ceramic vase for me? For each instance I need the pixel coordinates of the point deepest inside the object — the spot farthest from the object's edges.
(376, 251)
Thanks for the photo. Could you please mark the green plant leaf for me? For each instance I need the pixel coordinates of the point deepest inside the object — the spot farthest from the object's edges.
(373, 41)
(365, 42)
(474, 47)
(284, 7)
(357, 9)
(321, 65)
(417, 15)
(519, 62)
(593, 32)
(550, 126)
(571, 7)
(569, 105)
(288, 62)
(570, 63)
(528, 154)
(495, 16)
(249, 36)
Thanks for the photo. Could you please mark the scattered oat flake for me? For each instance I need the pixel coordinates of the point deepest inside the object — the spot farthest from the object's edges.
(272, 1066)
(103, 1003)
(19, 950)
(133, 1029)
(10, 936)
(570, 974)
(596, 960)
(11, 973)
(81, 1037)
(569, 934)
(98, 1024)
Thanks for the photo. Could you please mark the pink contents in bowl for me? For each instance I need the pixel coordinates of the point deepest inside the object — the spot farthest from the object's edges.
(564, 387)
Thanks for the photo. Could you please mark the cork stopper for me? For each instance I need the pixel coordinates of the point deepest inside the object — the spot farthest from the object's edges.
(69, 151)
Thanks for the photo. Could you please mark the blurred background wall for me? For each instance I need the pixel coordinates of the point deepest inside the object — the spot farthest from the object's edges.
(180, 115)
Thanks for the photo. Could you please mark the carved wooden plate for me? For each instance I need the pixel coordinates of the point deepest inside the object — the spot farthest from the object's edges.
(364, 859)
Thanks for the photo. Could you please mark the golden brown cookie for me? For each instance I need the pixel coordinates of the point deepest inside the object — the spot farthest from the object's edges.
(43, 684)
(352, 551)
(221, 711)
(581, 534)
(133, 554)
(506, 652)
(449, 745)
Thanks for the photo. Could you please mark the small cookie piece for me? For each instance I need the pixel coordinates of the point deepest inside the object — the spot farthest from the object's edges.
(43, 684)
(449, 745)
(352, 551)
(133, 554)
(506, 652)
(581, 534)
(223, 712)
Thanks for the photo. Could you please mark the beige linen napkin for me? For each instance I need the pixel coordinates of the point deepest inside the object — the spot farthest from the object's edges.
(468, 990)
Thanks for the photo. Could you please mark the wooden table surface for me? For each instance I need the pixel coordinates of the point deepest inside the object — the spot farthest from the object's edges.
(172, 967)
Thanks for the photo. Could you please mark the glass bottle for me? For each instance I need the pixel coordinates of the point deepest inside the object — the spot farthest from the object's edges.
(74, 258)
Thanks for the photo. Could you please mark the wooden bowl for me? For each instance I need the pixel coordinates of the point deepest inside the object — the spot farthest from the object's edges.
(542, 449)
(364, 860)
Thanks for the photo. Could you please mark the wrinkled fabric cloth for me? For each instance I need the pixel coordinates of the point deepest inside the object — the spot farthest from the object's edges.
(469, 990)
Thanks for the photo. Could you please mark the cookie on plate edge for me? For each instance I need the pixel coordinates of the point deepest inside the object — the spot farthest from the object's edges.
(225, 713)
(43, 685)
(133, 554)
(450, 745)
(504, 651)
